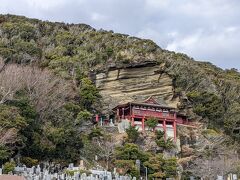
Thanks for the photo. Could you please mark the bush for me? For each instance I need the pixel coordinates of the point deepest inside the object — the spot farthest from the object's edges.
(88, 93)
(132, 134)
(83, 116)
(8, 167)
(4, 153)
(29, 162)
(28, 48)
(170, 167)
(96, 132)
(207, 105)
(159, 134)
(161, 142)
(151, 122)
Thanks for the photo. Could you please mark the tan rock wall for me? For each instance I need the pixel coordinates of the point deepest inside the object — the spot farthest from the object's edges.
(138, 83)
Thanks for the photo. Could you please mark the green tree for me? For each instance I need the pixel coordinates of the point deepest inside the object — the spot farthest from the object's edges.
(88, 93)
(170, 167)
(207, 105)
(159, 167)
(4, 153)
(129, 151)
(10, 118)
(84, 116)
(96, 132)
(132, 134)
(232, 121)
(151, 123)
(161, 142)
(154, 165)
(126, 156)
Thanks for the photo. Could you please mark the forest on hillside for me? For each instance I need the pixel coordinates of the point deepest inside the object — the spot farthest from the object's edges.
(48, 99)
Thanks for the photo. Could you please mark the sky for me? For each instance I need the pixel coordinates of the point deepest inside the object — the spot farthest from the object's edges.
(207, 30)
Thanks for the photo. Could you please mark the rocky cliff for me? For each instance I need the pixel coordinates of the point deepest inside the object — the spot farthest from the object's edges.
(124, 85)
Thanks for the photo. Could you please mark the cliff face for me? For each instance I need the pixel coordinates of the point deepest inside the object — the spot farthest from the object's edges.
(135, 83)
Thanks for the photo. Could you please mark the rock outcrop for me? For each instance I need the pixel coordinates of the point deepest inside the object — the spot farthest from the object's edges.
(135, 83)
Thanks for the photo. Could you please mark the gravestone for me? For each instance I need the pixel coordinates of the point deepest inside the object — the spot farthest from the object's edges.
(83, 176)
(235, 177)
(116, 176)
(38, 169)
(220, 178)
(32, 170)
(81, 166)
(70, 166)
(76, 176)
(192, 178)
(138, 163)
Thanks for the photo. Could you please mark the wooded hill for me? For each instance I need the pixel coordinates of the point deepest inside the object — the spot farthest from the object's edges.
(47, 97)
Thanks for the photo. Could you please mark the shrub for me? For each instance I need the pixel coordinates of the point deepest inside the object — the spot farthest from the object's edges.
(151, 122)
(207, 105)
(29, 162)
(161, 142)
(170, 167)
(96, 132)
(4, 153)
(132, 134)
(8, 167)
(159, 134)
(88, 93)
(83, 116)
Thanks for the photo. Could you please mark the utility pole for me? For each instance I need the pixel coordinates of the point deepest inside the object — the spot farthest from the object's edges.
(146, 173)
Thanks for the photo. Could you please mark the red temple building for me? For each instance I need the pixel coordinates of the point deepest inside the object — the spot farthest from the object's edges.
(137, 113)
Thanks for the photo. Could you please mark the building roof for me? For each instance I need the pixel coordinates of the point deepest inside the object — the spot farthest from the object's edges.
(11, 177)
(148, 102)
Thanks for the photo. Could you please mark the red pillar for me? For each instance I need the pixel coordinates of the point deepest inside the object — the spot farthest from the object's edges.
(132, 121)
(175, 130)
(175, 126)
(143, 124)
(97, 118)
(164, 129)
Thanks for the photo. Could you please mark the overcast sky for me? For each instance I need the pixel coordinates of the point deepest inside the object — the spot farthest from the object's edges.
(207, 30)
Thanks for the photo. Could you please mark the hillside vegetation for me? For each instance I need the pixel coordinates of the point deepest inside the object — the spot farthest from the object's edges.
(47, 98)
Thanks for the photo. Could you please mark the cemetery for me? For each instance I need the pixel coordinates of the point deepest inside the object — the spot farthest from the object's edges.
(69, 173)
(49, 172)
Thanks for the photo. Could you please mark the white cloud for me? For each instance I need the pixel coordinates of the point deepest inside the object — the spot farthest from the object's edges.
(45, 4)
(219, 46)
(97, 17)
(157, 3)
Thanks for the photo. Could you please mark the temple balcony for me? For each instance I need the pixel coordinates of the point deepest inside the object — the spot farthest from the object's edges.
(157, 114)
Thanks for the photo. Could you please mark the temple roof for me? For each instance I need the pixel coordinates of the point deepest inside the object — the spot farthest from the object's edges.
(148, 102)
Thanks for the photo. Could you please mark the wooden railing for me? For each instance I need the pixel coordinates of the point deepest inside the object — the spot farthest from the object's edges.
(149, 113)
